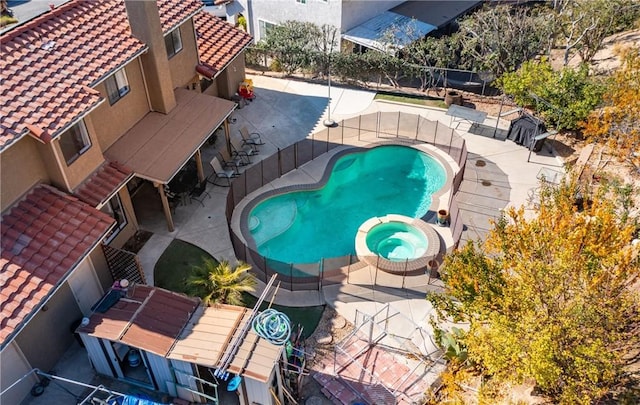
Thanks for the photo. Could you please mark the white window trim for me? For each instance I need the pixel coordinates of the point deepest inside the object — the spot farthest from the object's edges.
(118, 226)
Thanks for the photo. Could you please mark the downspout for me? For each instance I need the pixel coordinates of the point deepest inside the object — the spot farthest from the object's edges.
(144, 82)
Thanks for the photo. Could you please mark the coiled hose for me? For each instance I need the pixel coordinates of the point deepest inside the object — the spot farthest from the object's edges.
(273, 326)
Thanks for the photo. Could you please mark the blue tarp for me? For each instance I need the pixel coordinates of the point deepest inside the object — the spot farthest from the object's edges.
(133, 400)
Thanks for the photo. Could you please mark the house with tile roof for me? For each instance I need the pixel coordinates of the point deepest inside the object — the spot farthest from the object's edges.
(95, 97)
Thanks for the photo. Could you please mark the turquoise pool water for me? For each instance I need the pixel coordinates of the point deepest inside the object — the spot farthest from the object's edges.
(308, 225)
(397, 241)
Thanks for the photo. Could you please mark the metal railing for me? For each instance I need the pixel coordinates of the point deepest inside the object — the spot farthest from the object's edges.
(380, 127)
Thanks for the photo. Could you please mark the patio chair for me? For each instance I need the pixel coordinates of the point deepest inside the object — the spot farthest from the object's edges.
(229, 162)
(199, 192)
(220, 173)
(243, 151)
(250, 138)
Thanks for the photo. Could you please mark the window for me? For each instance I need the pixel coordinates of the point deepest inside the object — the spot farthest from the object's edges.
(264, 28)
(301, 1)
(74, 142)
(173, 42)
(114, 209)
(117, 86)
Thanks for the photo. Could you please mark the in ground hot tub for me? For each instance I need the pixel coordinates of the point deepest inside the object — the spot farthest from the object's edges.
(396, 243)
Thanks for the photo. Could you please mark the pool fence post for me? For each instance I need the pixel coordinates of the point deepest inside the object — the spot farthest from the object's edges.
(279, 162)
(435, 133)
(417, 128)
(375, 278)
(450, 141)
(398, 126)
(378, 125)
(290, 276)
(320, 273)
(264, 268)
(359, 125)
(342, 132)
(404, 273)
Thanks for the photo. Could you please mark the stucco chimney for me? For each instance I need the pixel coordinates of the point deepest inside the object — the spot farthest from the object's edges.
(144, 19)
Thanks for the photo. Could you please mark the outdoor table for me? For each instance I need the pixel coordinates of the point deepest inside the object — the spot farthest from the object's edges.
(459, 113)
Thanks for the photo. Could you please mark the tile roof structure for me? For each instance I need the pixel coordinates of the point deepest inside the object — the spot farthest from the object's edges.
(44, 236)
(103, 183)
(50, 63)
(218, 42)
(150, 319)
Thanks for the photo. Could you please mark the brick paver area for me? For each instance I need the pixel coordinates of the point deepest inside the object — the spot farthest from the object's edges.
(367, 374)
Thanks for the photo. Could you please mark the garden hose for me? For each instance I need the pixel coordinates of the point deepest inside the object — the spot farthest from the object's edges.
(273, 326)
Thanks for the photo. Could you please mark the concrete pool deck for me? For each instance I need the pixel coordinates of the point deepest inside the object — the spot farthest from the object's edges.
(285, 111)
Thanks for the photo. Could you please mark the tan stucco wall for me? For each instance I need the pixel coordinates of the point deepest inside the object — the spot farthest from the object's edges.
(85, 164)
(102, 269)
(229, 80)
(212, 90)
(112, 121)
(47, 336)
(14, 366)
(183, 64)
(20, 169)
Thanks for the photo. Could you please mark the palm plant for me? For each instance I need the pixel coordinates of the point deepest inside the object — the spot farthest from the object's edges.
(220, 283)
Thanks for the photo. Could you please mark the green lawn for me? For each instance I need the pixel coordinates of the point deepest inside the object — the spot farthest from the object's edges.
(307, 317)
(418, 100)
(174, 267)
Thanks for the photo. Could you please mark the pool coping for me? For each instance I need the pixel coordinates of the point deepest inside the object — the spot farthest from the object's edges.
(439, 199)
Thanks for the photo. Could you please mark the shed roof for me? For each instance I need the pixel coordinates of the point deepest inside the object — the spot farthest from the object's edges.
(103, 183)
(147, 318)
(44, 237)
(50, 64)
(160, 144)
(205, 338)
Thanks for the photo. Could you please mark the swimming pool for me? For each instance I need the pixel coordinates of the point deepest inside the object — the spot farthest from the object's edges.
(305, 226)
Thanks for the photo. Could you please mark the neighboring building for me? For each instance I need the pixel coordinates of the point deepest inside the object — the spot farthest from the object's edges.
(96, 96)
(361, 23)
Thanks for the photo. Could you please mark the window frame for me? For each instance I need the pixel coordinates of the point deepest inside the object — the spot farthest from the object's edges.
(121, 223)
(170, 40)
(264, 26)
(80, 131)
(119, 83)
(303, 2)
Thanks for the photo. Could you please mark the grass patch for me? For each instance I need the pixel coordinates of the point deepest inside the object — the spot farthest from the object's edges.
(418, 100)
(307, 317)
(176, 265)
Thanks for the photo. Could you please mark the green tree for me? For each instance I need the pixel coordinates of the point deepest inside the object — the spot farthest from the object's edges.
(289, 43)
(564, 99)
(551, 298)
(220, 283)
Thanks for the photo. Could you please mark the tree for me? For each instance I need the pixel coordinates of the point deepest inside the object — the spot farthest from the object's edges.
(552, 298)
(290, 43)
(617, 122)
(220, 283)
(584, 24)
(568, 96)
(500, 38)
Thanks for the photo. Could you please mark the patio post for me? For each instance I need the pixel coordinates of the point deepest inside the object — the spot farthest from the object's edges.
(165, 206)
(227, 136)
(198, 157)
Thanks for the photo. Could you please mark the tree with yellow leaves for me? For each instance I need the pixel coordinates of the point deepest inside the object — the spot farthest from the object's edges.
(617, 123)
(552, 298)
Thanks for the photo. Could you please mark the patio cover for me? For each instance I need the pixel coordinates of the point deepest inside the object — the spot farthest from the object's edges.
(370, 32)
(207, 335)
(160, 144)
(437, 13)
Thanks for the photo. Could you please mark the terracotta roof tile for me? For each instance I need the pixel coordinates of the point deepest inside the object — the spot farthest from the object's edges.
(50, 63)
(38, 250)
(218, 41)
(103, 183)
